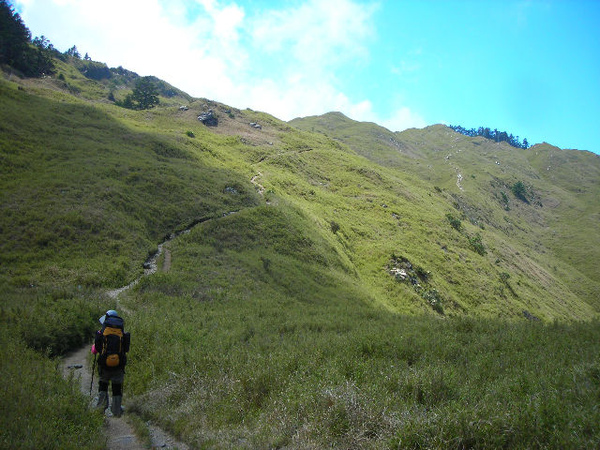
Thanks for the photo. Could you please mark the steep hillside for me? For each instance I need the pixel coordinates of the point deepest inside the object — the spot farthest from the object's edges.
(103, 184)
(535, 239)
(330, 284)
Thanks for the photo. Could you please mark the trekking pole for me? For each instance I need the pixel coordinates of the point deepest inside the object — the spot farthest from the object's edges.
(93, 370)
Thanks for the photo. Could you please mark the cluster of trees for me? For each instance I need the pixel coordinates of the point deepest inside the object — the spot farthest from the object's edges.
(17, 49)
(74, 53)
(495, 135)
(34, 58)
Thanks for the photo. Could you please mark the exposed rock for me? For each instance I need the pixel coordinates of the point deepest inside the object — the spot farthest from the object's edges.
(208, 119)
(400, 274)
(256, 125)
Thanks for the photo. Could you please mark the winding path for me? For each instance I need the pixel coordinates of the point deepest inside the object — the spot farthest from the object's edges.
(119, 434)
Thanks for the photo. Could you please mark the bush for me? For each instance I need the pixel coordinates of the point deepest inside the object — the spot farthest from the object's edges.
(454, 222)
(335, 227)
(55, 322)
(477, 244)
(505, 201)
(434, 299)
(520, 191)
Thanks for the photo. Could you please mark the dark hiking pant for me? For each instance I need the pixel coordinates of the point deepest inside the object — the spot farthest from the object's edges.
(114, 376)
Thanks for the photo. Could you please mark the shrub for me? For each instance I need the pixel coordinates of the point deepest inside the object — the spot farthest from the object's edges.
(335, 227)
(266, 263)
(477, 244)
(520, 191)
(434, 299)
(422, 274)
(505, 201)
(454, 222)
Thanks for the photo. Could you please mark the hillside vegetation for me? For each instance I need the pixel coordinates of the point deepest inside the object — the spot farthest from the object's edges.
(541, 242)
(337, 284)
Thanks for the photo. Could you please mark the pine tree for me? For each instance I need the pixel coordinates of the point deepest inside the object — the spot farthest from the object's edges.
(14, 37)
(145, 93)
(73, 52)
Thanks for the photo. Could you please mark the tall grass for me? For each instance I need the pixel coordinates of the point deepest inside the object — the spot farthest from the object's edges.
(273, 327)
(238, 354)
(38, 408)
(334, 372)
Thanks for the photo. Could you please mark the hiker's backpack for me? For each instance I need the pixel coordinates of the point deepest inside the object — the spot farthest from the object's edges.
(112, 343)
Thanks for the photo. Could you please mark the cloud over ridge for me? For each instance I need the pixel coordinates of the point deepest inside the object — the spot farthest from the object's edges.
(288, 62)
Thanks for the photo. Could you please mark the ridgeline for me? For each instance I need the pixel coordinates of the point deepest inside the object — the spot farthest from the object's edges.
(342, 284)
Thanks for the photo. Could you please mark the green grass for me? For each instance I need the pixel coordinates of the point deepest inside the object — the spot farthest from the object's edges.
(38, 408)
(222, 362)
(85, 206)
(280, 323)
(538, 243)
(293, 354)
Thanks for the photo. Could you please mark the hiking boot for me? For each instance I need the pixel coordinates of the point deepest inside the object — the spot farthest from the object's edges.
(115, 407)
(102, 400)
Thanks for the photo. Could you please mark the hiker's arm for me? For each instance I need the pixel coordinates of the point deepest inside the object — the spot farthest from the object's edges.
(97, 347)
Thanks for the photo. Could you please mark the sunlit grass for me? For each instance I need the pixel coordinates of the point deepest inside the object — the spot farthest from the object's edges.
(280, 322)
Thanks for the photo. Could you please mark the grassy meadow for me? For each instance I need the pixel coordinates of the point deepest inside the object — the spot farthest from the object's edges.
(283, 320)
(284, 352)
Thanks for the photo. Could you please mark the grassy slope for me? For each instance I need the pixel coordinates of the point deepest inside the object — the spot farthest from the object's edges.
(89, 190)
(280, 324)
(549, 256)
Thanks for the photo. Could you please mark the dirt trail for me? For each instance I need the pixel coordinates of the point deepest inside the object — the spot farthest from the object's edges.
(119, 434)
(167, 261)
(259, 187)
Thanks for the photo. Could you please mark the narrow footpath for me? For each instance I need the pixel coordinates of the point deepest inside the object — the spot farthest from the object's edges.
(119, 434)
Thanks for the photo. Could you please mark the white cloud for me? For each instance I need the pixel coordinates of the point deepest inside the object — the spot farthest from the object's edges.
(318, 32)
(402, 119)
(282, 61)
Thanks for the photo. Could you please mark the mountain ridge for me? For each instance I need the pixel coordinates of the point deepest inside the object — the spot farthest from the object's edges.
(342, 285)
(466, 175)
(500, 165)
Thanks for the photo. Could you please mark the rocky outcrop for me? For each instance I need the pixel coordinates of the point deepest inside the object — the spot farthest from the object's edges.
(209, 119)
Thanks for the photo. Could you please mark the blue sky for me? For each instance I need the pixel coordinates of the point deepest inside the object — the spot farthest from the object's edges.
(529, 67)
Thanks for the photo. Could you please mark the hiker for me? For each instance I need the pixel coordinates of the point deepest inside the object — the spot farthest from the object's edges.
(111, 344)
